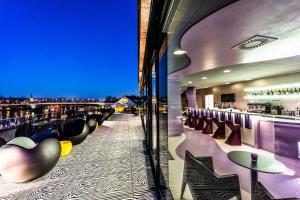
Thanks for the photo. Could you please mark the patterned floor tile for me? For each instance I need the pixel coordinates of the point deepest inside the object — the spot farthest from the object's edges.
(109, 164)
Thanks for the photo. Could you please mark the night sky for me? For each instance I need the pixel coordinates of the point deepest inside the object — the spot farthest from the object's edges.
(68, 48)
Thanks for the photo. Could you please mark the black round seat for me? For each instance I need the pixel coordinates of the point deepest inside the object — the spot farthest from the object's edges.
(74, 130)
(30, 160)
(2, 141)
(92, 122)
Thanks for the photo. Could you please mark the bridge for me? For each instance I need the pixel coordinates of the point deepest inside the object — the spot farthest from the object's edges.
(56, 103)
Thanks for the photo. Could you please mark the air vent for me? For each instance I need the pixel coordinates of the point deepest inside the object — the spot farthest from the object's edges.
(254, 42)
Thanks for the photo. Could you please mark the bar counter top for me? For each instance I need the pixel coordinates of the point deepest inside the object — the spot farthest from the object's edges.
(281, 118)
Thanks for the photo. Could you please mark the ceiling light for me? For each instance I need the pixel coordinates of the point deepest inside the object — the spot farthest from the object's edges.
(227, 71)
(190, 82)
(248, 79)
(204, 78)
(227, 83)
(179, 52)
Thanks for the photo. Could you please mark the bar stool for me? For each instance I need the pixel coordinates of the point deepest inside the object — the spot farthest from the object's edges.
(208, 129)
(188, 120)
(200, 123)
(235, 135)
(220, 132)
(193, 121)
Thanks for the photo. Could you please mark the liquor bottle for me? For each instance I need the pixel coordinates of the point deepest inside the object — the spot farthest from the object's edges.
(295, 91)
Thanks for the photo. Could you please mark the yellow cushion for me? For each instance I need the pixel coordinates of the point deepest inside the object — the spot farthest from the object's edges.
(66, 147)
(120, 109)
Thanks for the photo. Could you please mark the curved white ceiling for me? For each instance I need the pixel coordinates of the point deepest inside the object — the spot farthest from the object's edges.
(209, 43)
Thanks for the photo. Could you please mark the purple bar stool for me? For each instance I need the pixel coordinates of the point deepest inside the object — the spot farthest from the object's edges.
(208, 129)
(235, 135)
(188, 120)
(220, 132)
(200, 124)
(193, 121)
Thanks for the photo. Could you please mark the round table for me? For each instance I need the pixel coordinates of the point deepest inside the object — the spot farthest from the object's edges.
(264, 164)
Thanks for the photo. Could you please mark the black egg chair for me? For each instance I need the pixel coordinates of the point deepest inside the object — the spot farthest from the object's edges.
(24, 130)
(74, 130)
(41, 136)
(2, 141)
(97, 117)
(92, 123)
(22, 160)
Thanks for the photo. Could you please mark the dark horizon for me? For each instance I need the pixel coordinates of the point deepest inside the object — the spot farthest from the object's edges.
(71, 49)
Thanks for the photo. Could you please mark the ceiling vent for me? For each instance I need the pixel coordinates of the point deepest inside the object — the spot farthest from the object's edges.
(254, 42)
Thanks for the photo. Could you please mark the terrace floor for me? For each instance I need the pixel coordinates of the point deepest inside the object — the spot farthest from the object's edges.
(109, 164)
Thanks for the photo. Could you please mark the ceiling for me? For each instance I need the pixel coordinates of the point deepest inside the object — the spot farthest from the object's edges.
(242, 72)
(143, 28)
(182, 15)
(209, 42)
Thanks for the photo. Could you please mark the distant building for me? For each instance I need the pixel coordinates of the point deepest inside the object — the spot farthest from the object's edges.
(126, 103)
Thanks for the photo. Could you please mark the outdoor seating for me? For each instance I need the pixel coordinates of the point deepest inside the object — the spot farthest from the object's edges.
(204, 183)
(41, 136)
(30, 160)
(66, 147)
(75, 130)
(2, 141)
(91, 122)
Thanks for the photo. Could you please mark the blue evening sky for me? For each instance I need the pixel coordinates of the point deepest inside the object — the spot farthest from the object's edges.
(68, 48)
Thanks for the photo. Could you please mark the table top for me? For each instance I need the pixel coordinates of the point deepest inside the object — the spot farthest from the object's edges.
(264, 163)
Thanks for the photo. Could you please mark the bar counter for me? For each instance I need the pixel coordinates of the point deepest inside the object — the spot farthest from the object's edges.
(278, 134)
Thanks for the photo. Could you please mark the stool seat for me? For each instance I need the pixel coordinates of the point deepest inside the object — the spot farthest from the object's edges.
(188, 120)
(200, 123)
(208, 129)
(220, 132)
(194, 121)
(66, 147)
(235, 135)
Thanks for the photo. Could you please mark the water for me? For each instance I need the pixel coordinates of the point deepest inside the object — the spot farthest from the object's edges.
(11, 117)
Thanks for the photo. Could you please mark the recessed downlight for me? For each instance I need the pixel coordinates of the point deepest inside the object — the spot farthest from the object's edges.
(227, 71)
(179, 52)
(204, 78)
(227, 83)
(190, 82)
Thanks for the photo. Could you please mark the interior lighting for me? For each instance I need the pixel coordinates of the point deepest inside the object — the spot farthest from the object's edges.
(298, 149)
(227, 83)
(179, 52)
(204, 78)
(288, 96)
(283, 86)
(227, 71)
(190, 82)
